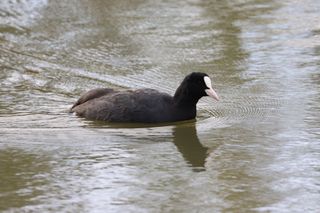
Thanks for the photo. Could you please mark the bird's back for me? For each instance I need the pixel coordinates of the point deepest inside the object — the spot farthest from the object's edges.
(144, 105)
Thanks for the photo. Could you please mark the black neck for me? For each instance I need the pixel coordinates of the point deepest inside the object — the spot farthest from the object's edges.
(183, 97)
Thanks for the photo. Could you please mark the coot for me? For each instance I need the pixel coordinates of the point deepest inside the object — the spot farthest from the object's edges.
(146, 105)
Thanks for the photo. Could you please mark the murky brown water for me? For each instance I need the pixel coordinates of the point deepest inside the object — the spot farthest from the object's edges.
(258, 150)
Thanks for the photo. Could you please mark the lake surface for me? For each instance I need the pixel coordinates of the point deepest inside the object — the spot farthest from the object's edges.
(256, 150)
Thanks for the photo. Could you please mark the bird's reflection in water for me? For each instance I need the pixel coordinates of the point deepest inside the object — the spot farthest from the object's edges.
(187, 142)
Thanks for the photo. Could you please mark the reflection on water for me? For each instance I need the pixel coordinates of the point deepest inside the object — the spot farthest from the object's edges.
(22, 177)
(257, 149)
(187, 142)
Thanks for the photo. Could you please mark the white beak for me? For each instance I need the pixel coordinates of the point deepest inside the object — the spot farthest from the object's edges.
(210, 92)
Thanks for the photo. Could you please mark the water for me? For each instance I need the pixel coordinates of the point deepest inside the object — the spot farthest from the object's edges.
(257, 150)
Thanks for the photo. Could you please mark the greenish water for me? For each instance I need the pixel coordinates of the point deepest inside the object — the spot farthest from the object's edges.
(257, 150)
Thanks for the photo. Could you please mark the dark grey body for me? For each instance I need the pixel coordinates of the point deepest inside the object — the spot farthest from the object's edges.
(143, 106)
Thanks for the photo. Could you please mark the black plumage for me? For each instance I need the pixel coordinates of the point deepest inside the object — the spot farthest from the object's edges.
(145, 105)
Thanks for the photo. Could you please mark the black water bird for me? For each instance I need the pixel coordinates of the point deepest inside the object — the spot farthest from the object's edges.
(146, 105)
